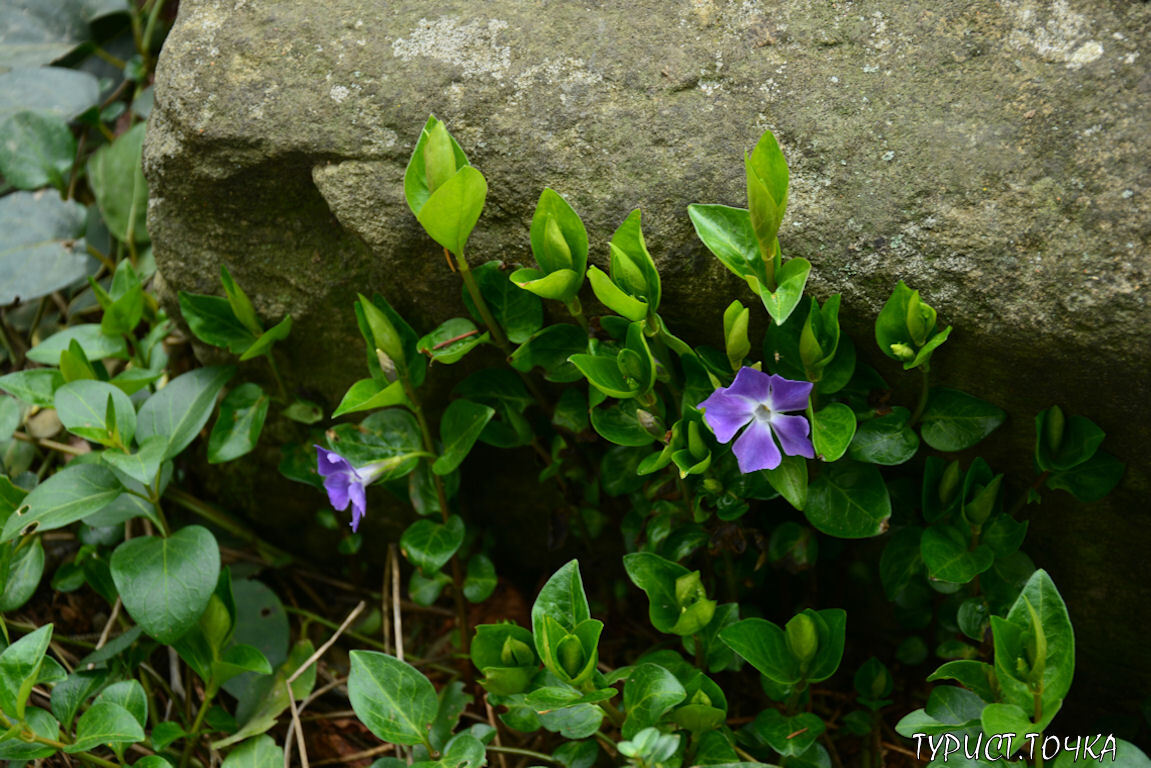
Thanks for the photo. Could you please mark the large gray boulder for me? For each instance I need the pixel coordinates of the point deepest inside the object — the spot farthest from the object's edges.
(991, 154)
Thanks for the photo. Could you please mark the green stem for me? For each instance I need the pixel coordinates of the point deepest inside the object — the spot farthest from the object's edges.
(921, 404)
(442, 498)
(525, 753)
(35, 738)
(276, 375)
(576, 309)
(273, 555)
(1038, 697)
(190, 739)
(149, 27)
(614, 714)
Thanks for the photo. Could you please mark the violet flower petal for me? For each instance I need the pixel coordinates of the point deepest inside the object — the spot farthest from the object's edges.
(752, 384)
(338, 487)
(359, 504)
(788, 395)
(726, 413)
(792, 432)
(756, 449)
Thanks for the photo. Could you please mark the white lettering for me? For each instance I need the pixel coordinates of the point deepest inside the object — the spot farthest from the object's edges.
(1000, 751)
(978, 743)
(1031, 739)
(934, 745)
(1055, 751)
(949, 750)
(1087, 747)
(1109, 746)
(919, 737)
(1068, 748)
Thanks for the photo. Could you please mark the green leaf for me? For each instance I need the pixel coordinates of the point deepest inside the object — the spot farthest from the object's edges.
(519, 313)
(212, 321)
(23, 576)
(71, 494)
(947, 555)
(260, 622)
(130, 695)
(395, 701)
(728, 234)
(792, 281)
(886, 440)
(36, 386)
(238, 427)
(84, 405)
(1076, 438)
(1058, 662)
(259, 752)
(615, 298)
(832, 428)
(789, 736)
(268, 696)
(429, 546)
(368, 395)
(677, 603)
(577, 722)
(142, 465)
(1091, 480)
(240, 303)
(551, 349)
(19, 669)
(105, 723)
(54, 91)
(166, 583)
(451, 212)
(391, 434)
(36, 150)
(976, 676)
(41, 723)
(955, 421)
(901, 560)
(239, 659)
(619, 423)
(1005, 534)
(96, 344)
(650, 692)
(461, 425)
(37, 34)
(263, 344)
(563, 600)
(416, 188)
(181, 409)
(452, 340)
(790, 479)
(764, 646)
(849, 500)
(767, 178)
(116, 175)
(69, 695)
(480, 581)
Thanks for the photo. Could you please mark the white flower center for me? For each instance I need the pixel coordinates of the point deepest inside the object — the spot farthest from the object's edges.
(763, 412)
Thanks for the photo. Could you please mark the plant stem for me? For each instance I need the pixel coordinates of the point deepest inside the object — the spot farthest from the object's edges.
(6, 723)
(220, 519)
(276, 375)
(524, 752)
(576, 309)
(921, 404)
(442, 498)
(190, 739)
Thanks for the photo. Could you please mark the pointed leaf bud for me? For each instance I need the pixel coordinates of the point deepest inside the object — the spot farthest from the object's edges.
(570, 655)
(802, 637)
(920, 319)
(557, 254)
(902, 352)
(439, 157)
(1053, 428)
(949, 483)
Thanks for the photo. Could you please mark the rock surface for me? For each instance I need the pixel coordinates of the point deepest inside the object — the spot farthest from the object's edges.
(992, 154)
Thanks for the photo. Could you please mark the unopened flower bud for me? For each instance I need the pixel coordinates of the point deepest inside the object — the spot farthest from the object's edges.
(802, 637)
(557, 253)
(516, 653)
(920, 319)
(949, 483)
(649, 423)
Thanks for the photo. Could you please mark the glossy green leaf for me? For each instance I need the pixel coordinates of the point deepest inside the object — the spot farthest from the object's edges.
(1091, 480)
(520, 314)
(83, 407)
(130, 695)
(263, 343)
(566, 224)
(790, 480)
(36, 386)
(677, 602)
(849, 500)
(789, 736)
(19, 669)
(43, 725)
(70, 694)
(23, 576)
(238, 427)
(832, 428)
(212, 321)
(650, 692)
(166, 583)
(728, 234)
(792, 278)
(367, 395)
(116, 175)
(887, 440)
(619, 424)
(451, 340)
(1064, 442)
(1058, 661)
(977, 676)
(563, 600)
(143, 465)
(395, 701)
(615, 298)
(259, 752)
(36, 150)
(181, 409)
(451, 212)
(460, 427)
(550, 350)
(901, 560)
(429, 546)
(415, 175)
(105, 723)
(955, 421)
(71, 494)
(764, 646)
(92, 340)
(948, 556)
(480, 581)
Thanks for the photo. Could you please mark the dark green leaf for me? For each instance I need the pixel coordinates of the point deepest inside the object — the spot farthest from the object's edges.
(551, 349)
(36, 386)
(832, 429)
(55, 91)
(165, 583)
(517, 311)
(1091, 480)
(238, 427)
(849, 500)
(460, 427)
(83, 407)
(92, 340)
(105, 723)
(451, 340)
(71, 494)
(259, 752)
(948, 556)
(181, 409)
(886, 440)
(481, 579)
(36, 150)
(395, 702)
(429, 546)
(650, 691)
(23, 577)
(212, 321)
(955, 421)
(115, 173)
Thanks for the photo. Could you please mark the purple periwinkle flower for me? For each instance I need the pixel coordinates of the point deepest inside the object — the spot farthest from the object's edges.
(760, 402)
(344, 483)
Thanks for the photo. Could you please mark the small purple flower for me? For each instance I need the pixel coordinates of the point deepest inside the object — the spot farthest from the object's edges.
(344, 483)
(761, 402)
